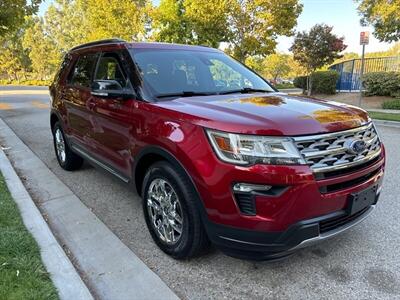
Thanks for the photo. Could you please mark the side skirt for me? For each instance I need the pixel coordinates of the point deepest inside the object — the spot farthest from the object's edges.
(91, 159)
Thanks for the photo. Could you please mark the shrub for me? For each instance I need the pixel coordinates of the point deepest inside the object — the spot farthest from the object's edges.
(324, 82)
(300, 82)
(392, 104)
(283, 86)
(25, 82)
(381, 83)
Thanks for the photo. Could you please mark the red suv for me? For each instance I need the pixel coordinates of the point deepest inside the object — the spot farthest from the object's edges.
(216, 153)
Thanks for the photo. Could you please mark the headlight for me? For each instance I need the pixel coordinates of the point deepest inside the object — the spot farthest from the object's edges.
(251, 149)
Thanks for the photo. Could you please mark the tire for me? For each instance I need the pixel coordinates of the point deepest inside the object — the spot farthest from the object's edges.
(193, 239)
(67, 159)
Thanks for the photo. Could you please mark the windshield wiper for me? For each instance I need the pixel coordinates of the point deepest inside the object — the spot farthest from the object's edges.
(246, 90)
(184, 94)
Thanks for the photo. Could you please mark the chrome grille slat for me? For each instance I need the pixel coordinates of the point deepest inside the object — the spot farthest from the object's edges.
(327, 152)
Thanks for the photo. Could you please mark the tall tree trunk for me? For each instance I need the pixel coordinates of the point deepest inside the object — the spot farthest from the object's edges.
(309, 85)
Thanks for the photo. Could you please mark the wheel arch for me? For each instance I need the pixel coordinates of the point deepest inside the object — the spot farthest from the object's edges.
(54, 118)
(149, 156)
(152, 154)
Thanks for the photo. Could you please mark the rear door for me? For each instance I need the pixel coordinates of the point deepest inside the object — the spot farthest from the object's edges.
(112, 124)
(76, 96)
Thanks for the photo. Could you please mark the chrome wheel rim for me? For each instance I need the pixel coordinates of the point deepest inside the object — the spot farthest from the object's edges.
(165, 211)
(60, 145)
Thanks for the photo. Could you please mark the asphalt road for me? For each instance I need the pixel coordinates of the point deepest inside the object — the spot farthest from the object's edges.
(363, 263)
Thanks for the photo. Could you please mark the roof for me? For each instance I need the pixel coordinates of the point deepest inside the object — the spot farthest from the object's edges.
(143, 45)
(170, 46)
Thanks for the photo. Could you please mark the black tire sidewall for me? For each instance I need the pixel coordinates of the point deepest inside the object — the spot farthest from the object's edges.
(72, 161)
(55, 127)
(165, 171)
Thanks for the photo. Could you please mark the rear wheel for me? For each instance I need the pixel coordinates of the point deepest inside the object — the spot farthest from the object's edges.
(67, 159)
(171, 213)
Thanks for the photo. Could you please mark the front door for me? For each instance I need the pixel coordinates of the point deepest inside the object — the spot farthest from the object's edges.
(112, 117)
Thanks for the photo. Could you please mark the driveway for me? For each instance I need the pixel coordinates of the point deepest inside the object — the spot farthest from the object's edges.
(363, 263)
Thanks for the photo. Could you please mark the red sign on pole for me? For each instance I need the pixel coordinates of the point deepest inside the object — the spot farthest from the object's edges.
(364, 37)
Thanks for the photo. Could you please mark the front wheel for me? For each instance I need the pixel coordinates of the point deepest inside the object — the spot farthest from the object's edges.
(171, 212)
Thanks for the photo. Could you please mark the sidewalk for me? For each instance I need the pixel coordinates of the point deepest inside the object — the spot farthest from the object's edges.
(63, 274)
(108, 267)
(387, 111)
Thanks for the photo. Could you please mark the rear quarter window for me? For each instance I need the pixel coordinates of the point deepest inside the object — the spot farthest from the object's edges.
(63, 67)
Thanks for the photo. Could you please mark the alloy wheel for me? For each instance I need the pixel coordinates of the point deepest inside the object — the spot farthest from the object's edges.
(165, 211)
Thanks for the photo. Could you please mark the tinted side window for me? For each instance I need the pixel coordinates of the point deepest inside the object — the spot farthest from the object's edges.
(109, 68)
(64, 65)
(82, 72)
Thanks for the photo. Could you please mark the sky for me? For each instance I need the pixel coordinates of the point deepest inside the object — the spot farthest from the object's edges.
(341, 14)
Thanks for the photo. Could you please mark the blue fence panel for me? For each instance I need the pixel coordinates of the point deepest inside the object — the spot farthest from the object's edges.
(349, 71)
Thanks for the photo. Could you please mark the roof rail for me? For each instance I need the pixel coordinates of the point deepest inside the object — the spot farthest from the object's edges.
(98, 42)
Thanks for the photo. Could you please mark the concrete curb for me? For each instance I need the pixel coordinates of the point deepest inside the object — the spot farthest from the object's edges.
(110, 269)
(24, 92)
(63, 274)
(388, 111)
(387, 123)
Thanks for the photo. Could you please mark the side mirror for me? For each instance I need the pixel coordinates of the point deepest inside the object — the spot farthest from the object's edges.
(110, 89)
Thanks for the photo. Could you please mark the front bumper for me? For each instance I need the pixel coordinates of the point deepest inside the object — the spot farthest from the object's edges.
(290, 220)
(255, 245)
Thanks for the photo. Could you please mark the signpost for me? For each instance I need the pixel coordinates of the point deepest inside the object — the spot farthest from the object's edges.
(364, 40)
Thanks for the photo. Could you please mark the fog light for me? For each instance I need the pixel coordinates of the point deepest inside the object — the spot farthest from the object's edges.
(248, 187)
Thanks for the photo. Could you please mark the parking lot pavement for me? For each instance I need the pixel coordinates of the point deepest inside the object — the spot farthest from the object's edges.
(363, 263)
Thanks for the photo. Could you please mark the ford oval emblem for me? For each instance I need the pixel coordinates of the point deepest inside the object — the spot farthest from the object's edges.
(355, 146)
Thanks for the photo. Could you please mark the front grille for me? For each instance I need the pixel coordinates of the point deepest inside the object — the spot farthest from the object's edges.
(348, 183)
(328, 152)
(334, 223)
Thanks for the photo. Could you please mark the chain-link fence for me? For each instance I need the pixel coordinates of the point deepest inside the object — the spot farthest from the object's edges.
(350, 70)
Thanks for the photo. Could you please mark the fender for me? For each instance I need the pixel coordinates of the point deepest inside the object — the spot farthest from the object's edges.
(177, 164)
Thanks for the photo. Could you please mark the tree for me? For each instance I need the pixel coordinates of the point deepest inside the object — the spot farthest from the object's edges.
(255, 25)
(276, 66)
(295, 68)
(41, 49)
(316, 48)
(191, 22)
(346, 56)
(13, 12)
(250, 27)
(255, 63)
(14, 60)
(384, 15)
(73, 22)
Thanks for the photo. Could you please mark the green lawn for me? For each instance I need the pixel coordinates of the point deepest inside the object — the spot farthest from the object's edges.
(384, 116)
(22, 274)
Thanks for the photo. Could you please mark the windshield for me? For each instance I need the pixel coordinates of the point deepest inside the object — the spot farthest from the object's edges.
(173, 73)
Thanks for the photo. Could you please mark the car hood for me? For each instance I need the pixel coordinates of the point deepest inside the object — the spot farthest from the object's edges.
(267, 114)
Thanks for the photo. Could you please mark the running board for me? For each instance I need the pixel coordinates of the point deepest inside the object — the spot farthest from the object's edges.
(99, 163)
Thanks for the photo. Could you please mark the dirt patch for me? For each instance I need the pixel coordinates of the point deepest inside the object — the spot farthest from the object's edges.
(353, 99)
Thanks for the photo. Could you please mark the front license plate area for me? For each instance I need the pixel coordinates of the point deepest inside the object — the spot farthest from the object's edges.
(359, 201)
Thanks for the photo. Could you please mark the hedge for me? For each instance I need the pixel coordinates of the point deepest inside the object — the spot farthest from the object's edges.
(300, 82)
(392, 104)
(381, 84)
(25, 82)
(323, 82)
